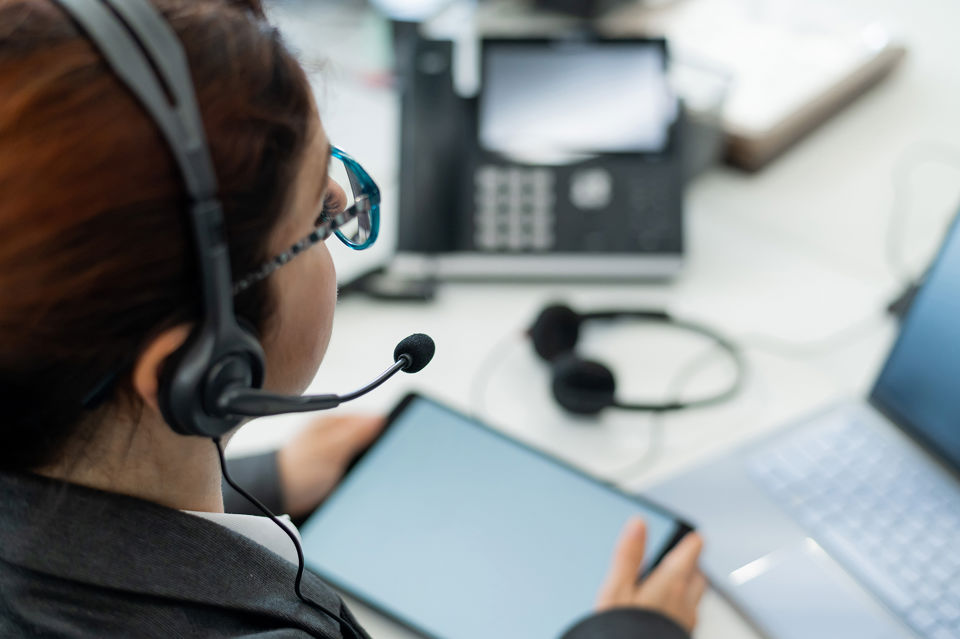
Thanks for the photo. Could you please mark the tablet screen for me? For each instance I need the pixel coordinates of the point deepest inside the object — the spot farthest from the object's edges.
(462, 533)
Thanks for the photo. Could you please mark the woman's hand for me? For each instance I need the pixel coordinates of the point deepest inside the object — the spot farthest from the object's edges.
(674, 588)
(313, 462)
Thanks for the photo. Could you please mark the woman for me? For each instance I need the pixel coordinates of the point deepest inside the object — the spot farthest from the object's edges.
(112, 524)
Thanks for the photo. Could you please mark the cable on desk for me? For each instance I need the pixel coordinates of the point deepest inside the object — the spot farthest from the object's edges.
(485, 370)
(912, 158)
(840, 338)
(658, 420)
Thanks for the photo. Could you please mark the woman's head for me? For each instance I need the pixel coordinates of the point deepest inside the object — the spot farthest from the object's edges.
(97, 270)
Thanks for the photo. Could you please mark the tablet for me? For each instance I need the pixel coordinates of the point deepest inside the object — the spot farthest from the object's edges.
(457, 531)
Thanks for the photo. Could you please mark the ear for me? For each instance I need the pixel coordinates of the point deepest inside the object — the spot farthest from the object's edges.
(146, 370)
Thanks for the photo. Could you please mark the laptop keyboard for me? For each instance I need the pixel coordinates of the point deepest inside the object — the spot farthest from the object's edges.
(884, 513)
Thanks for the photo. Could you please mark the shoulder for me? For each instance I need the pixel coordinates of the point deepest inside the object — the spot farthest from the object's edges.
(36, 605)
(76, 562)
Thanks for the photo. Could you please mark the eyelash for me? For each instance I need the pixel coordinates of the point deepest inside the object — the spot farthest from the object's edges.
(328, 201)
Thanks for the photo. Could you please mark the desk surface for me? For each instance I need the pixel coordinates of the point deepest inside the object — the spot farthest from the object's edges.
(790, 261)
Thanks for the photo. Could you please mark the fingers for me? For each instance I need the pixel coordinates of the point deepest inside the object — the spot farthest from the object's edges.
(627, 560)
(680, 564)
(674, 588)
(628, 556)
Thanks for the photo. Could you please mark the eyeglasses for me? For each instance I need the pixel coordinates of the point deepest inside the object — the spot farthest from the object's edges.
(351, 211)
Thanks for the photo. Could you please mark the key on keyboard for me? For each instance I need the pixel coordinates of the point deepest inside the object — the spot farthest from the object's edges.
(889, 517)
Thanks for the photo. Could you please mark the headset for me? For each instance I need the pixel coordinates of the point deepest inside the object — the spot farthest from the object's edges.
(586, 387)
(213, 381)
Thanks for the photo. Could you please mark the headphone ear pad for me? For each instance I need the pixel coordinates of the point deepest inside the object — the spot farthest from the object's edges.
(193, 377)
(582, 386)
(165, 389)
(555, 331)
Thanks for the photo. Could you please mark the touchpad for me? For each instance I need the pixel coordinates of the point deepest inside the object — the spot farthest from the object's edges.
(781, 591)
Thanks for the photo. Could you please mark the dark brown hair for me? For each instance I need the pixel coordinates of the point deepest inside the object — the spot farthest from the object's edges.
(95, 251)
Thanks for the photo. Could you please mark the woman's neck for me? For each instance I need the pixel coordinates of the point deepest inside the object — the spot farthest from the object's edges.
(144, 459)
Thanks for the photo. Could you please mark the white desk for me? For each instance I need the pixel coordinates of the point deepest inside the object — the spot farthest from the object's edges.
(796, 252)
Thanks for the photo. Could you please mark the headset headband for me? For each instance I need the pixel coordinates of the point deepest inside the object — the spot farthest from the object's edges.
(147, 56)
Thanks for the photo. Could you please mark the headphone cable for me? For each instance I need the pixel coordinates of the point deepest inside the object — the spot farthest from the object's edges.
(293, 537)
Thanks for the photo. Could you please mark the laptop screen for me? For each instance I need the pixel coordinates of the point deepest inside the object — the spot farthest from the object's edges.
(920, 383)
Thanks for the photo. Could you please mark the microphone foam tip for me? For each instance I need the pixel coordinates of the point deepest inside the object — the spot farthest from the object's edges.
(418, 349)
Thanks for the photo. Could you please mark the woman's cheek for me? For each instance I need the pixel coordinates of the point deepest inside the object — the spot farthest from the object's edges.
(327, 303)
(307, 296)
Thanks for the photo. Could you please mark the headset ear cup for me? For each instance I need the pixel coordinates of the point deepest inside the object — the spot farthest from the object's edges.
(165, 388)
(581, 386)
(194, 377)
(555, 331)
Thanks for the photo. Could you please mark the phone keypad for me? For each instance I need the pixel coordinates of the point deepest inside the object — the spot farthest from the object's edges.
(514, 209)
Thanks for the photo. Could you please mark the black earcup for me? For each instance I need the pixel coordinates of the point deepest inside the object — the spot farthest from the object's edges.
(165, 388)
(555, 332)
(582, 386)
(194, 377)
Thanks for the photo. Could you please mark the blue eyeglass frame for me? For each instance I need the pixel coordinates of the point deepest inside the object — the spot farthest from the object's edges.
(366, 201)
(366, 196)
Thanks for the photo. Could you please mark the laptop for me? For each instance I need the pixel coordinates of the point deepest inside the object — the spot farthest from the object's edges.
(847, 523)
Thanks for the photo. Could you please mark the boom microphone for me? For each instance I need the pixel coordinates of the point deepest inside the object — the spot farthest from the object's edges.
(418, 349)
(411, 355)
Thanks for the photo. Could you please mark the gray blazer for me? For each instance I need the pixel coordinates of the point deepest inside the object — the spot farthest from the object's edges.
(77, 562)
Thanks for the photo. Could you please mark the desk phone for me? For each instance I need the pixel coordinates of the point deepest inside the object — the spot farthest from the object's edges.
(567, 163)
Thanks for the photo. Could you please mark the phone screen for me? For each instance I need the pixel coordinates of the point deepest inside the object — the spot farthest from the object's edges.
(580, 97)
(462, 533)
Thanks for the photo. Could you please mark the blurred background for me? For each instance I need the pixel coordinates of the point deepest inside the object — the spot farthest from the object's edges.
(781, 171)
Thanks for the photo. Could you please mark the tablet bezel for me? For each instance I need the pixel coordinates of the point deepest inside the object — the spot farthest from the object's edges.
(682, 527)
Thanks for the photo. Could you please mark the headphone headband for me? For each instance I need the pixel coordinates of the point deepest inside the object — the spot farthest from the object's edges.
(640, 314)
(146, 55)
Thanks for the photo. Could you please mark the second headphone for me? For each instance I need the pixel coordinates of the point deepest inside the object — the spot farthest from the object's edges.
(586, 387)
